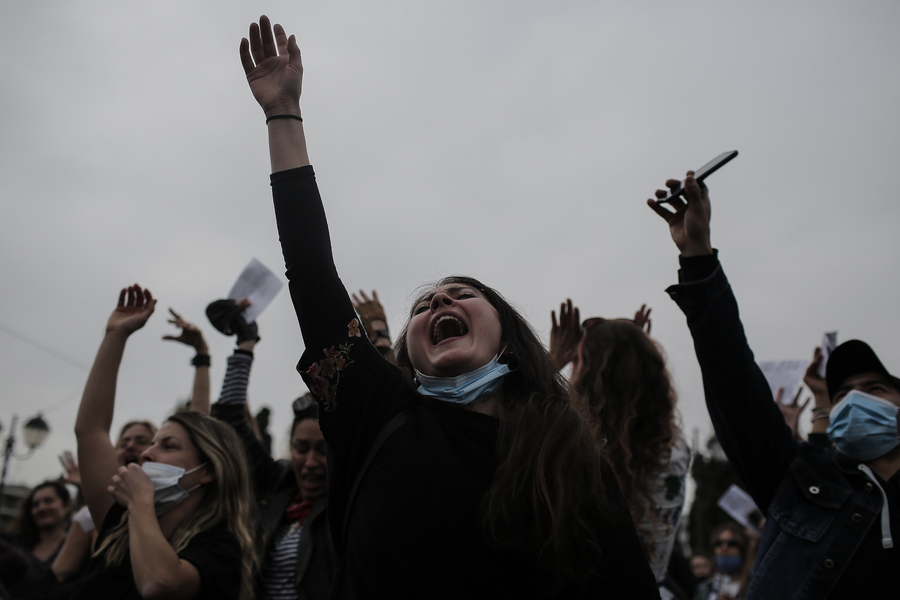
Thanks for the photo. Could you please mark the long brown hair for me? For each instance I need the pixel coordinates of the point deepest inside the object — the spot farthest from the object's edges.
(24, 527)
(546, 496)
(624, 381)
(226, 501)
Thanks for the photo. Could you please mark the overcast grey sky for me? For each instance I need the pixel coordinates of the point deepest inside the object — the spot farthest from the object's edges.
(515, 141)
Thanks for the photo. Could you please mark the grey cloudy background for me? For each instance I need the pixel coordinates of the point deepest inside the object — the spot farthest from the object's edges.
(512, 140)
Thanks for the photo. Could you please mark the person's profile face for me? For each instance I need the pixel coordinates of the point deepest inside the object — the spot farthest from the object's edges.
(134, 441)
(454, 329)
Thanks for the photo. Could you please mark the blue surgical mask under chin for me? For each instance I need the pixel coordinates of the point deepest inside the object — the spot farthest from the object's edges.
(864, 427)
(729, 564)
(167, 492)
(468, 387)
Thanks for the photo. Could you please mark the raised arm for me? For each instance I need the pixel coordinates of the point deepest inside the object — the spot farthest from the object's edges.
(272, 64)
(96, 452)
(747, 421)
(191, 335)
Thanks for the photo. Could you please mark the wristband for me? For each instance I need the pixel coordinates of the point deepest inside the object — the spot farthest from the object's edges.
(201, 360)
(819, 413)
(274, 117)
(382, 333)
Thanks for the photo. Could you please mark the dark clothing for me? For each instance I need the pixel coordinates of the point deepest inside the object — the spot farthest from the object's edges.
(823, 531)
(215, 553)
(416, 529)
(276, 485)
(23, 574)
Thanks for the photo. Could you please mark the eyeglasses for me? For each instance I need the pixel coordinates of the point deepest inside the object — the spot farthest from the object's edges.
(729, 543)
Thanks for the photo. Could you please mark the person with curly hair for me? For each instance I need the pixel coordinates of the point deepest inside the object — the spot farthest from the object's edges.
(619, 375)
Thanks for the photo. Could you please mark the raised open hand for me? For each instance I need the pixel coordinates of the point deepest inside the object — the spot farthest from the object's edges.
(135, 307)
(642, 318)
(271, 61)
(689, 223)
(791, 412)
(190, 334)
(814, 381)
(565, 335)
(369, 309)
(71, 472)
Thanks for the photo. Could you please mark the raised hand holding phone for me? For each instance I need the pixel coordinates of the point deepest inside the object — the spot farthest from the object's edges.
(702, 173)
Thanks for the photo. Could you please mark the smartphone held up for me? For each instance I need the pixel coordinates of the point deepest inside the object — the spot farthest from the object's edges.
(702, 173)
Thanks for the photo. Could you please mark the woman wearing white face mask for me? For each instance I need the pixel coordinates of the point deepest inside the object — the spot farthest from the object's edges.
(493, 486)
(177, 526)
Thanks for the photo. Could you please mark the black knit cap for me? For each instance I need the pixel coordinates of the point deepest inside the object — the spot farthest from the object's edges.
(852, 358)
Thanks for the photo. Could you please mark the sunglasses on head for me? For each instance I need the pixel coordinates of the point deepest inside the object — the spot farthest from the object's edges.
(729, 543)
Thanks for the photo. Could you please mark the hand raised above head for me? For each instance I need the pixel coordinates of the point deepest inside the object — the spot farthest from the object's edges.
(190, 334)
(565, 334)
(271, 61)
(368, 309)
(689, 223)
(135, 307)
(71, 472)
(642, 318)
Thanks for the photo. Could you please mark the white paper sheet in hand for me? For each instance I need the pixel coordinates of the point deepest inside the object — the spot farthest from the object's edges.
(786, 374)
(829, 343)
(740, 507)
(259, 285)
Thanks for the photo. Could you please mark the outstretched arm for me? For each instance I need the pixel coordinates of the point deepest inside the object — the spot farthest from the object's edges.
(95, 414)
(272, 64)
(192, 336)
(747, 421)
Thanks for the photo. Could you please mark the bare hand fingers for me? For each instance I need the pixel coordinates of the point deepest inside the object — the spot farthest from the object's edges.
(268, 39)
(281, 40)
(661, 210)
(256, 47)
(246, 58)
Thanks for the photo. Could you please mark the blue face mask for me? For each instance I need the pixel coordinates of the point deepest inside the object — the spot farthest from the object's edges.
(863, 426)
(729, 564)
(468, 387)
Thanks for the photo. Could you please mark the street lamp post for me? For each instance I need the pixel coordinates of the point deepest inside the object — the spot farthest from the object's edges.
(36, 430)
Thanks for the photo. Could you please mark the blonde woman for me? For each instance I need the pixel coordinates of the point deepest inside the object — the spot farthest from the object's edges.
(177, 525)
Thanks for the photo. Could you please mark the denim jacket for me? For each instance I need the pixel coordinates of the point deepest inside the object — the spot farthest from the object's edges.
(818, 509)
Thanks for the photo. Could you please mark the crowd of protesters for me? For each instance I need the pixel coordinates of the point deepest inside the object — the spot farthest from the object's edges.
(462, 460)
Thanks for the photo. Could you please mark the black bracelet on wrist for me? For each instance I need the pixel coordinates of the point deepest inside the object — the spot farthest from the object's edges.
(274, 117)
(382, 333)
(201, 360)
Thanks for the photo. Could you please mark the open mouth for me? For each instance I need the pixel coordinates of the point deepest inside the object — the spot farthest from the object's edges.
(446, 327)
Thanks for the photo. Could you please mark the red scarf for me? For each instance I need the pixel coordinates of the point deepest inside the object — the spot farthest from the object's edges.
(297, 510)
